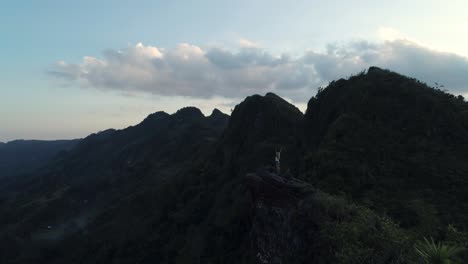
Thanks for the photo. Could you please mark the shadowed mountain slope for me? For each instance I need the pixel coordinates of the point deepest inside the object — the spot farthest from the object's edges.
(69, 195)
(258, 126)
(394, 144)
(389, 151)
(23, 156)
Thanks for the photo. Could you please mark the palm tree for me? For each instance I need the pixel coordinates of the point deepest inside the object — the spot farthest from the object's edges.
(437, 253)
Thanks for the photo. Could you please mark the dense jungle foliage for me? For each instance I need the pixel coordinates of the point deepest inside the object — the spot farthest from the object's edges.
(382, 160)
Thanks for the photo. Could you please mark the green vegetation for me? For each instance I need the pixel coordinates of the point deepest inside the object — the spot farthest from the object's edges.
(395, 145)
(437, 253)
(24, 156)
(380, 162)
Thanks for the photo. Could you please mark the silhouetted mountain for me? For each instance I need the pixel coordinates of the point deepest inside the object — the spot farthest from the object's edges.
(257, 126)
(101, 172)
(23, 156)
(377, 162)
(394, 144)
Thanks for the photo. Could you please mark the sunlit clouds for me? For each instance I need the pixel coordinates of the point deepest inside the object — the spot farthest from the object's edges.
(197, 72)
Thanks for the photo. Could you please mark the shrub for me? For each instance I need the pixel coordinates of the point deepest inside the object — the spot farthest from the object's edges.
(437, 253)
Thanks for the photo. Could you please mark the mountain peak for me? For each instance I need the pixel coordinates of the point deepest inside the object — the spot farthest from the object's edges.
(272, 95)
(216, 112)
(156, 116)
(389, 147)
(189, 112)
(268, 104)
(258, 125)
(374, 69)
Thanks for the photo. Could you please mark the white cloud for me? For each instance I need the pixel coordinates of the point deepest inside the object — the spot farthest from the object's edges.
(402, 56)
(245, 43)
(189, 70)
(150, 52)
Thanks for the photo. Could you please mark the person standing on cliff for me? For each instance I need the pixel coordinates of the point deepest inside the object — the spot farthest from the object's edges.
(277, 160)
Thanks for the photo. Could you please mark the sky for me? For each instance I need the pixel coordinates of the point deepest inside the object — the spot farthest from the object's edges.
(71, 68)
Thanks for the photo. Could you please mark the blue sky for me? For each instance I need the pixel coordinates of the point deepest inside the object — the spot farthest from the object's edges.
(145, 56)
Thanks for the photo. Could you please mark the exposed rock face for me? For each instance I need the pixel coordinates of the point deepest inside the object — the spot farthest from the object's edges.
(293, 222)
(275, 237)
(172, 189)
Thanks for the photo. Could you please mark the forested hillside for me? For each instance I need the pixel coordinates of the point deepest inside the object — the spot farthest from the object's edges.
(377, 163)
(23, 156)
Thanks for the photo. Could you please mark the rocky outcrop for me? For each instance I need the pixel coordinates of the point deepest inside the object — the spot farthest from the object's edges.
(258, 126)
(275, 235)
(293, 222)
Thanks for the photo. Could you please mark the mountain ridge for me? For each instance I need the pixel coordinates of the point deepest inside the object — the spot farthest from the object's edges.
(24, 156)
(378, 158)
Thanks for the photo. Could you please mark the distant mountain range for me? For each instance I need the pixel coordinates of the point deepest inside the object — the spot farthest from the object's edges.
(24, 156)
(378, 162)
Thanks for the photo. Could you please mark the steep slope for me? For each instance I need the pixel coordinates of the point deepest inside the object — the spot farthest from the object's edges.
(294, 222)
(258, 126)
(23, 156)
(201, 213)
(390, 151)
(67, 198)
(394, 144)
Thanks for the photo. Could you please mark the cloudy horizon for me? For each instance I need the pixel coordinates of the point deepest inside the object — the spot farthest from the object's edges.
(69, 72)
(191, 71)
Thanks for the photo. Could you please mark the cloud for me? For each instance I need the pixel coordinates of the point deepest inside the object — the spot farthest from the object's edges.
(402, 56)
(245, 43)
(189, 70)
